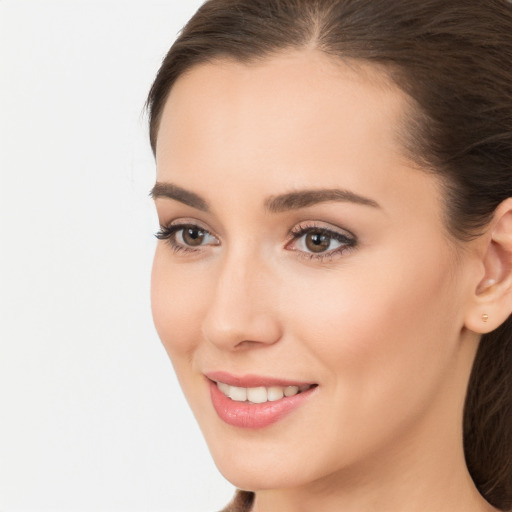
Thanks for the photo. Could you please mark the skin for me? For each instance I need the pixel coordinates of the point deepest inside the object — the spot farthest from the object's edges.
(381, 327)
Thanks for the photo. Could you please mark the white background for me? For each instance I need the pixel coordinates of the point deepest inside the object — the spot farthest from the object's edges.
(91, 416)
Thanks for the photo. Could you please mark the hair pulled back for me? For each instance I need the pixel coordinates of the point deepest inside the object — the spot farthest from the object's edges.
(454, 60)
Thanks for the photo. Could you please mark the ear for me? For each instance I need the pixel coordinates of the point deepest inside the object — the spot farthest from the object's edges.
(492, 298)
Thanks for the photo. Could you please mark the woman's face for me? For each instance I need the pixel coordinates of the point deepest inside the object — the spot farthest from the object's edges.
(300, 249)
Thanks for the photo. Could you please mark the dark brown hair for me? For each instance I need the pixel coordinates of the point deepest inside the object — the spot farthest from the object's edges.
(454, 60)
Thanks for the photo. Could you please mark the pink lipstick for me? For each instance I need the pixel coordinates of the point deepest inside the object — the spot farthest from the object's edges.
(253, 401)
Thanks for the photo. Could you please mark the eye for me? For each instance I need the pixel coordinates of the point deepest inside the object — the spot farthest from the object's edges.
(187, 237)
(191, 235)
(316, 241)
(320, 242)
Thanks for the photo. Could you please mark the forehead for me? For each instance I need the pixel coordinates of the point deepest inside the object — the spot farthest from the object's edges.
(292, 121)
(306, 87)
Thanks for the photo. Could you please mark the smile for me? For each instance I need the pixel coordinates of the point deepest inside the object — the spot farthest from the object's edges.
(261, 394)
(255, 402)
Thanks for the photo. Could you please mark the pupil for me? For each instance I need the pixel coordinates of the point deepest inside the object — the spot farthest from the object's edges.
(193, 236)
(317, 242)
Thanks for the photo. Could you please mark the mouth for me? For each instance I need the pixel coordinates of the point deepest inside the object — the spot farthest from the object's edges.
(260, 394)
(255, 402)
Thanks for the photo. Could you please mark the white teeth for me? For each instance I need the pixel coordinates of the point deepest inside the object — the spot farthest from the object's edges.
(291, 390)
(237, 394)
(275, 393)
(223, 387)
(260, 394)
(257, 395)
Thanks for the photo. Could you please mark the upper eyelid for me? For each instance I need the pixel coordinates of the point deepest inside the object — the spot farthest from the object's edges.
(303, 227)
(185, 221)
(297, 230)
(180, 226)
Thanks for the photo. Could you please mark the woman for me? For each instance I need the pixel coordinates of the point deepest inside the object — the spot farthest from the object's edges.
(333, 278)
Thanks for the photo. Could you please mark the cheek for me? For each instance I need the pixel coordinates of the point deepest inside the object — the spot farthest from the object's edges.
(176, 305)
(381, 335)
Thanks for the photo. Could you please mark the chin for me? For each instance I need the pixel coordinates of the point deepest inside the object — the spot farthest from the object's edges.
(256, 461)
(255, 476)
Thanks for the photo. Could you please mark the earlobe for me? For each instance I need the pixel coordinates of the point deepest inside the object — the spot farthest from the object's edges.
(492, 300)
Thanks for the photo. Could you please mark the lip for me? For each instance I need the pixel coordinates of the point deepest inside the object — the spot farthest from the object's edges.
(254, 416)
(253, 381)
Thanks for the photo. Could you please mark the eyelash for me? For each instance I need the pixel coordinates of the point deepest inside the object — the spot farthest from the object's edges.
(169, 233)
(347, 241)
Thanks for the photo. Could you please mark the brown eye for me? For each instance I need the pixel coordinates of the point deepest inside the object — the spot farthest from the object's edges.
(317, 242)
(183, 237)
(193, 236)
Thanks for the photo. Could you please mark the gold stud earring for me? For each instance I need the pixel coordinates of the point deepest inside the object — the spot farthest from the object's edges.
(485, 317)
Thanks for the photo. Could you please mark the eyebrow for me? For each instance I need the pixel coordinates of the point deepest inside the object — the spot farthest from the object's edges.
(274, 204)
(171, 191)
(304, 198)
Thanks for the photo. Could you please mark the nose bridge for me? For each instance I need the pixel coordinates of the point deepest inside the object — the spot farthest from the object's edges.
(241, 308)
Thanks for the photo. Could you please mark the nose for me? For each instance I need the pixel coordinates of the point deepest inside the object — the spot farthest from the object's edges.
(242, 310)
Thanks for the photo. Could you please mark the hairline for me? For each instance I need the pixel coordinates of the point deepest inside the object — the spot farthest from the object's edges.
(364, 68)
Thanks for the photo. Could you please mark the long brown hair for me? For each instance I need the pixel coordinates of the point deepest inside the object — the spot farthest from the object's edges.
(454, 60)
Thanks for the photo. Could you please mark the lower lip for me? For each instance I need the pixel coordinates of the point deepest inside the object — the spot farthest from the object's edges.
(253, 416)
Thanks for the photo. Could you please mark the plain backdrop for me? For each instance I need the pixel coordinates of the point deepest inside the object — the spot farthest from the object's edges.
(91, 415)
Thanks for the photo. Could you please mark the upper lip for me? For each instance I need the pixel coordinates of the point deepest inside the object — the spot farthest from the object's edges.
(253, 381)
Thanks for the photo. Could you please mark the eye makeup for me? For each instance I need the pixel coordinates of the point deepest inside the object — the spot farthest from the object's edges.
(186, 237)
(315, 241)
(310, 240)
